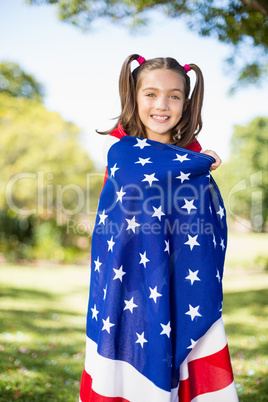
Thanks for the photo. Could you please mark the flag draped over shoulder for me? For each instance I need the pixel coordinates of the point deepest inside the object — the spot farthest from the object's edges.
(154, 328)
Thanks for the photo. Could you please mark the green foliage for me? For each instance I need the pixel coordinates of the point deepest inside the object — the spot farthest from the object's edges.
(43, 166)
(16, 235)
(15, 82)
(46, 180)
(244, 178)
(239, 23)
(262, 262)
(57, 243)
(32, 238)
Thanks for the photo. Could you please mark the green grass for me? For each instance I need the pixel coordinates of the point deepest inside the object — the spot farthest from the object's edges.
(245, 312)
(42, 321)
(247, 251)
(42, 335)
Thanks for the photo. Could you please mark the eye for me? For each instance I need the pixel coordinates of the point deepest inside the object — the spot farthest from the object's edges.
(150, 95)
(175, 97)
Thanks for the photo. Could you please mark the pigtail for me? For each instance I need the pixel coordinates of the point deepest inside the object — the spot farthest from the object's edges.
(191, 123)
(127, 91)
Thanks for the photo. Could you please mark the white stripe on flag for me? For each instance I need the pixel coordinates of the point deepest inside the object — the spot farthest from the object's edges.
(109, 375)
(213, 341)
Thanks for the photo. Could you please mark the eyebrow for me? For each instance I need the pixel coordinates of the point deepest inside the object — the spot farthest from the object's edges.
(153, 89)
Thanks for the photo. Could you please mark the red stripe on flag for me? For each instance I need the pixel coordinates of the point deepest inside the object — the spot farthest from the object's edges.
(105, 178)
(85, 386)
(184, 391)
(87, 394)
(119, 132)
(207, 374)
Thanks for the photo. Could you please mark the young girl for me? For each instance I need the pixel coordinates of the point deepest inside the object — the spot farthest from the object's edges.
(154, 327)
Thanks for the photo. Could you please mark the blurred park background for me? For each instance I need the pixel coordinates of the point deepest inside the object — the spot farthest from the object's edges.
(59, 69)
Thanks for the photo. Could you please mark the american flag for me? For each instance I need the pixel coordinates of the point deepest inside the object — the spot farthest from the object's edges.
(154, 327)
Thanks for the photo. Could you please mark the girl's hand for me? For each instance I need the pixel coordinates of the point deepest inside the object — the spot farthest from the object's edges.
(216, 164)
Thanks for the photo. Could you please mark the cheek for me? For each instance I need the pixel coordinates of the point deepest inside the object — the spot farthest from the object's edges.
(143, 106)
(147, 104)
(140, 111)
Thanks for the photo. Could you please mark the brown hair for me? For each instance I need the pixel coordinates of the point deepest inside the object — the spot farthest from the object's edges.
(190, 123)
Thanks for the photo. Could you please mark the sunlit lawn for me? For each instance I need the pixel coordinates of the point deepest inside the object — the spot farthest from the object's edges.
(42, 332)
(42, 329)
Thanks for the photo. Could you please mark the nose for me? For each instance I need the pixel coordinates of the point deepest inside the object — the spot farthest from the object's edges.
(162, 103)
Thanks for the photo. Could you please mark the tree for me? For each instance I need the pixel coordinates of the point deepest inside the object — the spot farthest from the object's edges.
(48, 185)
(239, 23)
(243, 179)
(43, 166)
(15, 82)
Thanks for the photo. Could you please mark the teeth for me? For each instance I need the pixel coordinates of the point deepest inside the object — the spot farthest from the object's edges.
(160, 118)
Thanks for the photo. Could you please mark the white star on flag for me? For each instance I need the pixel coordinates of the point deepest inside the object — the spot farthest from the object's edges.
(222, 244)
(119, 273)
(143, 161)
(218, 276)
(183, 176)
(130, 305)
(144, 259)
(142, 143)
(107, 325)
(95, 312)
(141, 339)
(221, 212)
(193, 312)
(158, 212)
(214, 241)
(114, 169)
(97, 264)
(120, 194)
(154, 294)
(102, 217)
(189, 205)
(168, 360)
(166, 329)
(193, 276)
(132, 224)
(111, 244)
(192, 241)
(104, 292)
(181, 158)
(150, 178)
(193, 343)
(167, 246)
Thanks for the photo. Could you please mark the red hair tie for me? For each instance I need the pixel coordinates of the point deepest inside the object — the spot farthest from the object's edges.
(187, 68)
(140, 60)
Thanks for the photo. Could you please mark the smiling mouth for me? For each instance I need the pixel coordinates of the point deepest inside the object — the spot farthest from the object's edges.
(160, 118)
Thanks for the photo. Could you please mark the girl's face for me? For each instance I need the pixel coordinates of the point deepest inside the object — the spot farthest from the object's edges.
(160, 99)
